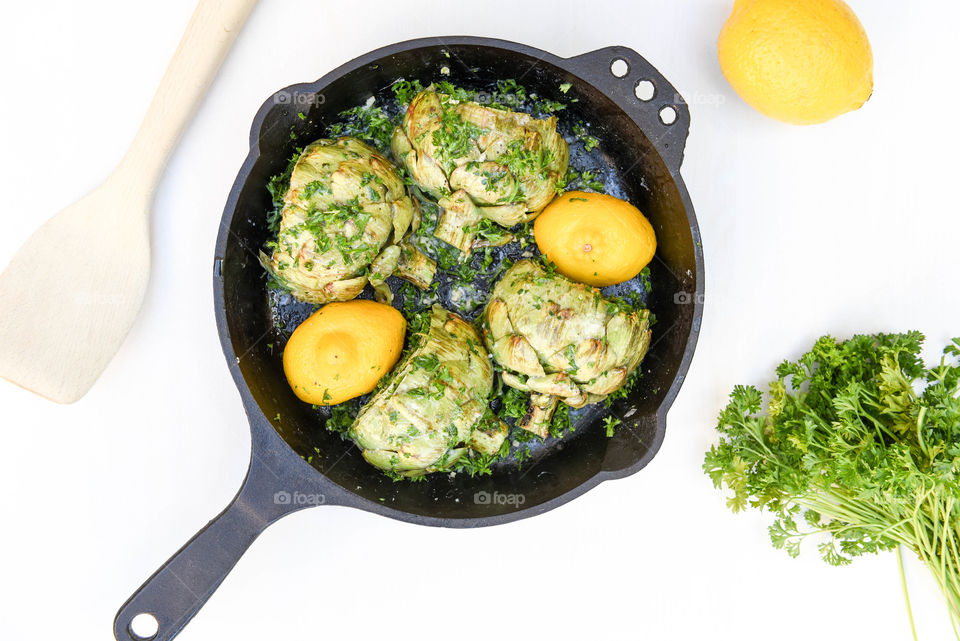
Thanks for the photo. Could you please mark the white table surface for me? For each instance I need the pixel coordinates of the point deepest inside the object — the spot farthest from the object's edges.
(846, 227)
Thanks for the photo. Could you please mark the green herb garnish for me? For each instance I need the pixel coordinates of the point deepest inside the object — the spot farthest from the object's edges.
(858, 441)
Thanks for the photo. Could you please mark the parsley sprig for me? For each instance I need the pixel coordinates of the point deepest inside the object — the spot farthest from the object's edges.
(859, 443)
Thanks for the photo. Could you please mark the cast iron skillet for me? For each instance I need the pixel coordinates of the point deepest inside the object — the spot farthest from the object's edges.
(296, 463)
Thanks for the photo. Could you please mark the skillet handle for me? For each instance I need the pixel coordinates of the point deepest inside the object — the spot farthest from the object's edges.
(174, 594)
(669, 139)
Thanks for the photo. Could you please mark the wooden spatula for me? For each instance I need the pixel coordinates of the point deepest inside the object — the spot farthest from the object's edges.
(71, 293)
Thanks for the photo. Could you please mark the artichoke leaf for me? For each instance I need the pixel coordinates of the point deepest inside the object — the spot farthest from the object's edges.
(577, 401)
(423, 116)
(415, 266)
(400, 146)
(488, 183)
(342, 289)
(382, 267)
(501, 240)
(505, 215)
(538, 191)
(607, 383)
(590, 359)
(488, 437)
(625, 332)
(404, 213)
(429, 175)
(557, 384)
(542, 407)
(498, 319)
(515, 352)
(512, 380)
(458, 221)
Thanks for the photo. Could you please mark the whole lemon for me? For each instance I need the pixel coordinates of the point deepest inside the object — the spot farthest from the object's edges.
(595, 238)
(799, 61)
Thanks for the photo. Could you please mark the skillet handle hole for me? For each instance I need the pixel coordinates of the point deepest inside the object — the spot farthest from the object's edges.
(668, 115)
(645, 90)
(144, 626)
(619, 67)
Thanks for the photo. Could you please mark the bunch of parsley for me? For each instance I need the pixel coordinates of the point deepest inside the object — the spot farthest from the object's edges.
(859, 444)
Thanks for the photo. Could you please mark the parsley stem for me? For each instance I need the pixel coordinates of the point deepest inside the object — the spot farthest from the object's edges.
(920, 416)
(906, 594)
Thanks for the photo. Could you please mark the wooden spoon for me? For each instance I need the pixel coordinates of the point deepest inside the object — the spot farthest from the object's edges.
(70, 295)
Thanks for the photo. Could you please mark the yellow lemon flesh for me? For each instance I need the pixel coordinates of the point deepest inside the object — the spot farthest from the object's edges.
(595, 238)
(799, 61)
(343, 350)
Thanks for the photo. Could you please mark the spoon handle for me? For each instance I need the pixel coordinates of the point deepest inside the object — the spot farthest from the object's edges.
(212, 29)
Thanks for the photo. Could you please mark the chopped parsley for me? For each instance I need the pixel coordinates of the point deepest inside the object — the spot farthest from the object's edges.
(610, 423)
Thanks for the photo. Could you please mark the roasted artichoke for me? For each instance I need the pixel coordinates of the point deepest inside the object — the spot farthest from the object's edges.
(479, 162)
(434, 407)
(344, 220)
(560, 340)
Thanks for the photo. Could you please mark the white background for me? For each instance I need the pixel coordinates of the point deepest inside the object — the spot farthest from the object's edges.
(846, 227)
